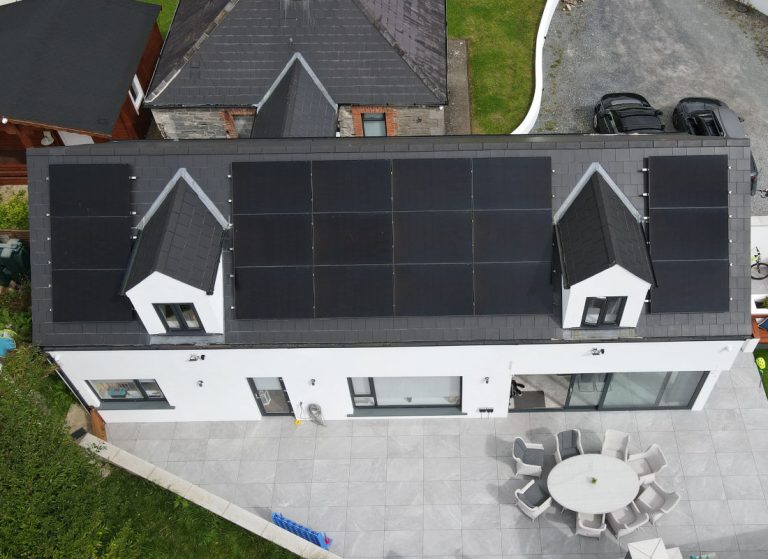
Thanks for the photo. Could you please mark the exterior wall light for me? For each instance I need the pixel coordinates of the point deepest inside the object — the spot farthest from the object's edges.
(486, 380)
(597, 351)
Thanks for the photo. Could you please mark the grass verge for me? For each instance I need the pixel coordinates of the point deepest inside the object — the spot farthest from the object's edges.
(763, 370)
(502, 42)
(168, 7)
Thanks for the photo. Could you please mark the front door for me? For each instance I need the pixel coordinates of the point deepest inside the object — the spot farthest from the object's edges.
(271, 396)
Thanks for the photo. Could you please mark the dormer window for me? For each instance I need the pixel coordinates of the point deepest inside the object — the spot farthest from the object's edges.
(179, 317)
(603, 311)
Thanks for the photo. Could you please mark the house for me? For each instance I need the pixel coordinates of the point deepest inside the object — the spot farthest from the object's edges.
(215, 280)
(74, 73)
(302, 68)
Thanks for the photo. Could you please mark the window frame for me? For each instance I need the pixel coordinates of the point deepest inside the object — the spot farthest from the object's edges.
(144, 396)
(183, 328)
(136, 93)
(603, 304)
(374, 117)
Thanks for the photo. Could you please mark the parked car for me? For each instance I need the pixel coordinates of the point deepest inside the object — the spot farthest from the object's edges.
(626, 113)
(702, 116)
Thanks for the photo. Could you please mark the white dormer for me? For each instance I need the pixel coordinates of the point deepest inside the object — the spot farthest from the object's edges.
(606, 270)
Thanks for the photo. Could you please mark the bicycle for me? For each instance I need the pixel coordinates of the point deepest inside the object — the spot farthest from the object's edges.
(759, 269)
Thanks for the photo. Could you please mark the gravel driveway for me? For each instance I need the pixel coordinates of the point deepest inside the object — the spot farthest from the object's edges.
(664, 50)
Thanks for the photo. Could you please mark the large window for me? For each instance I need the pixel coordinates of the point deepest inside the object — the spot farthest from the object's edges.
(374, 124)
(603, 311)
(405, 392)
(179, 317)
(139, 390)
(136, 93)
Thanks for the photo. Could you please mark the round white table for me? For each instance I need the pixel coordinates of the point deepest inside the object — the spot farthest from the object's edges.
(571, 484)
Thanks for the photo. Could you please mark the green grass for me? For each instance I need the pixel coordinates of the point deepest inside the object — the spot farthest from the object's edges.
(764, 371)
(166, 13)
(502, 37)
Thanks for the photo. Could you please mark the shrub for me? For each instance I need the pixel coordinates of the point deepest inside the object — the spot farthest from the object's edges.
(14, 211)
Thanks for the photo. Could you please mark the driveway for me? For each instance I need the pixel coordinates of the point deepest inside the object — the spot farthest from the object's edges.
(664, 50)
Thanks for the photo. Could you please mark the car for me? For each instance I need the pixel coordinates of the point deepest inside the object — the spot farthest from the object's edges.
(702, 116)
(626, 113)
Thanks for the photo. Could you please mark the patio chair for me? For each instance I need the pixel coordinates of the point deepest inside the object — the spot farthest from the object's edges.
(647, 464)
(625, 521)
(528, 457)
(568, 445)
(590, 525)
(616, 444)
(656, 501)
(533, 499)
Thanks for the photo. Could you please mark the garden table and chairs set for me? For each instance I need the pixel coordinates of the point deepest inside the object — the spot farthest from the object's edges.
(612, 488)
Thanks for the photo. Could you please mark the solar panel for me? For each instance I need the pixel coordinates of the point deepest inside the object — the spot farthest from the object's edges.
(279, 292)
(689, 181)
(352, 186)
(512, 183)
(90, 190)
(348, 291)
(513, 288)
(432, 184)
(359, 238)
(433, 237)
(273, 240)
(513, 236)
(433, 289)
(89, 296)
(689, 234)
(93, 243)
(271, 187)
(691, 286)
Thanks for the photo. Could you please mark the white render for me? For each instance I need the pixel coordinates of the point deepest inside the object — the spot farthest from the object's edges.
(613, 282)
(226, 396)
(158, 288)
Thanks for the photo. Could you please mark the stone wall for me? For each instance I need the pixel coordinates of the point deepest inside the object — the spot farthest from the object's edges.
(191, 124)
(401, 121)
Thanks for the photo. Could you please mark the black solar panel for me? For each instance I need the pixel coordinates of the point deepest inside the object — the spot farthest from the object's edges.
(512, 183)
(352, 186)
(353, 238)
(433, 237)
(90, 243)
(689, 234)
(280, 292)
(513, 288)
(90, 190)
(513, 236)
(89, 296)
(433, 290)
(348, 291)
(432, 184)
(690, 181)
(273, 240)
(271, 187)
(691, 286)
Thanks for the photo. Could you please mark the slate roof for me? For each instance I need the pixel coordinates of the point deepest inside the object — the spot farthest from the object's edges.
(70, 64)
(597, 231)
(297, 107)
(209, 163)
(182, 239)
(364, 51)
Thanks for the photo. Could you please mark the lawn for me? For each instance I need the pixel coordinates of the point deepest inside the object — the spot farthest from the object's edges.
(501, 37)
(166, 13)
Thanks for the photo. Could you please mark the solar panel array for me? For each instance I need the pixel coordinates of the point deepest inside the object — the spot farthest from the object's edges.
(404, 237)
(90, 241)
(688, 206)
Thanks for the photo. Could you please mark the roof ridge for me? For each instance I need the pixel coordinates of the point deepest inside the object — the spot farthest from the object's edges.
(289, 66)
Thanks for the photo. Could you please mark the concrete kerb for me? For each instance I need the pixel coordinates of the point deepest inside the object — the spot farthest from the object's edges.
(533, 111)
(221, 507)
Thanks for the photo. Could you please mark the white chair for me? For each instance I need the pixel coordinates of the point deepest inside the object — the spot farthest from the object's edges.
(616, 444)
(625, 521)
(655, 501)
(568, 444)
(528, 457)
(590, 525)
(533, 499)
(647, 464)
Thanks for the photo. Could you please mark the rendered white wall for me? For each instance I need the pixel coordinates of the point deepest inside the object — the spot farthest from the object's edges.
(159, 288)
(613, 282)
(226, 396)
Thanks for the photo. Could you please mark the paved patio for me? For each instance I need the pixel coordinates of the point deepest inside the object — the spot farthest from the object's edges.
(440, 488)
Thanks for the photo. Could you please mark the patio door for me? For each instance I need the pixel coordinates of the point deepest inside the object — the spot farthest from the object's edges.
(271, 395)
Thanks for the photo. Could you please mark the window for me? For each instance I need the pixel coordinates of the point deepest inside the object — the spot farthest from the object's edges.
(243, 125)
(404, 392)
(136, 93)
(374, 124)
(127, 390)
(603, 311)
(179, 317)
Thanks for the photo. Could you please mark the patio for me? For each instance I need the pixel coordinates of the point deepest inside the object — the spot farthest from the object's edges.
(439, 488)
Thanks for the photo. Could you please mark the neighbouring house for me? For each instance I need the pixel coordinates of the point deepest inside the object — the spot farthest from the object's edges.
(74, 73)
(302, 68)
(215, 280)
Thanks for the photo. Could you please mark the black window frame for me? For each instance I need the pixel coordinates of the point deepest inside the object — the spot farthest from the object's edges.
(374, 117)
(183, 326)
(137, 382)
(603, 307)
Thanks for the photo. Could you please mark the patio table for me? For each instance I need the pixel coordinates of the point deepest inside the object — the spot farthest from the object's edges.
(593, 484)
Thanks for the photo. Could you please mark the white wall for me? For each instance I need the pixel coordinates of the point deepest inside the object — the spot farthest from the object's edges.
(759, 5)
(613, 282)
(159, 288)
(225, 394)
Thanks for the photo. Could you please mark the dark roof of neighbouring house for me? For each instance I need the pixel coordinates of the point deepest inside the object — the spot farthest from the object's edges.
(598, 231)
(364, 51)
(153, 163)
(297, 107)
(181, 239)
(70, 64)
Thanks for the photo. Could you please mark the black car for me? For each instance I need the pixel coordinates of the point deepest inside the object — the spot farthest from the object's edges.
(626, 113)
(702, 116)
